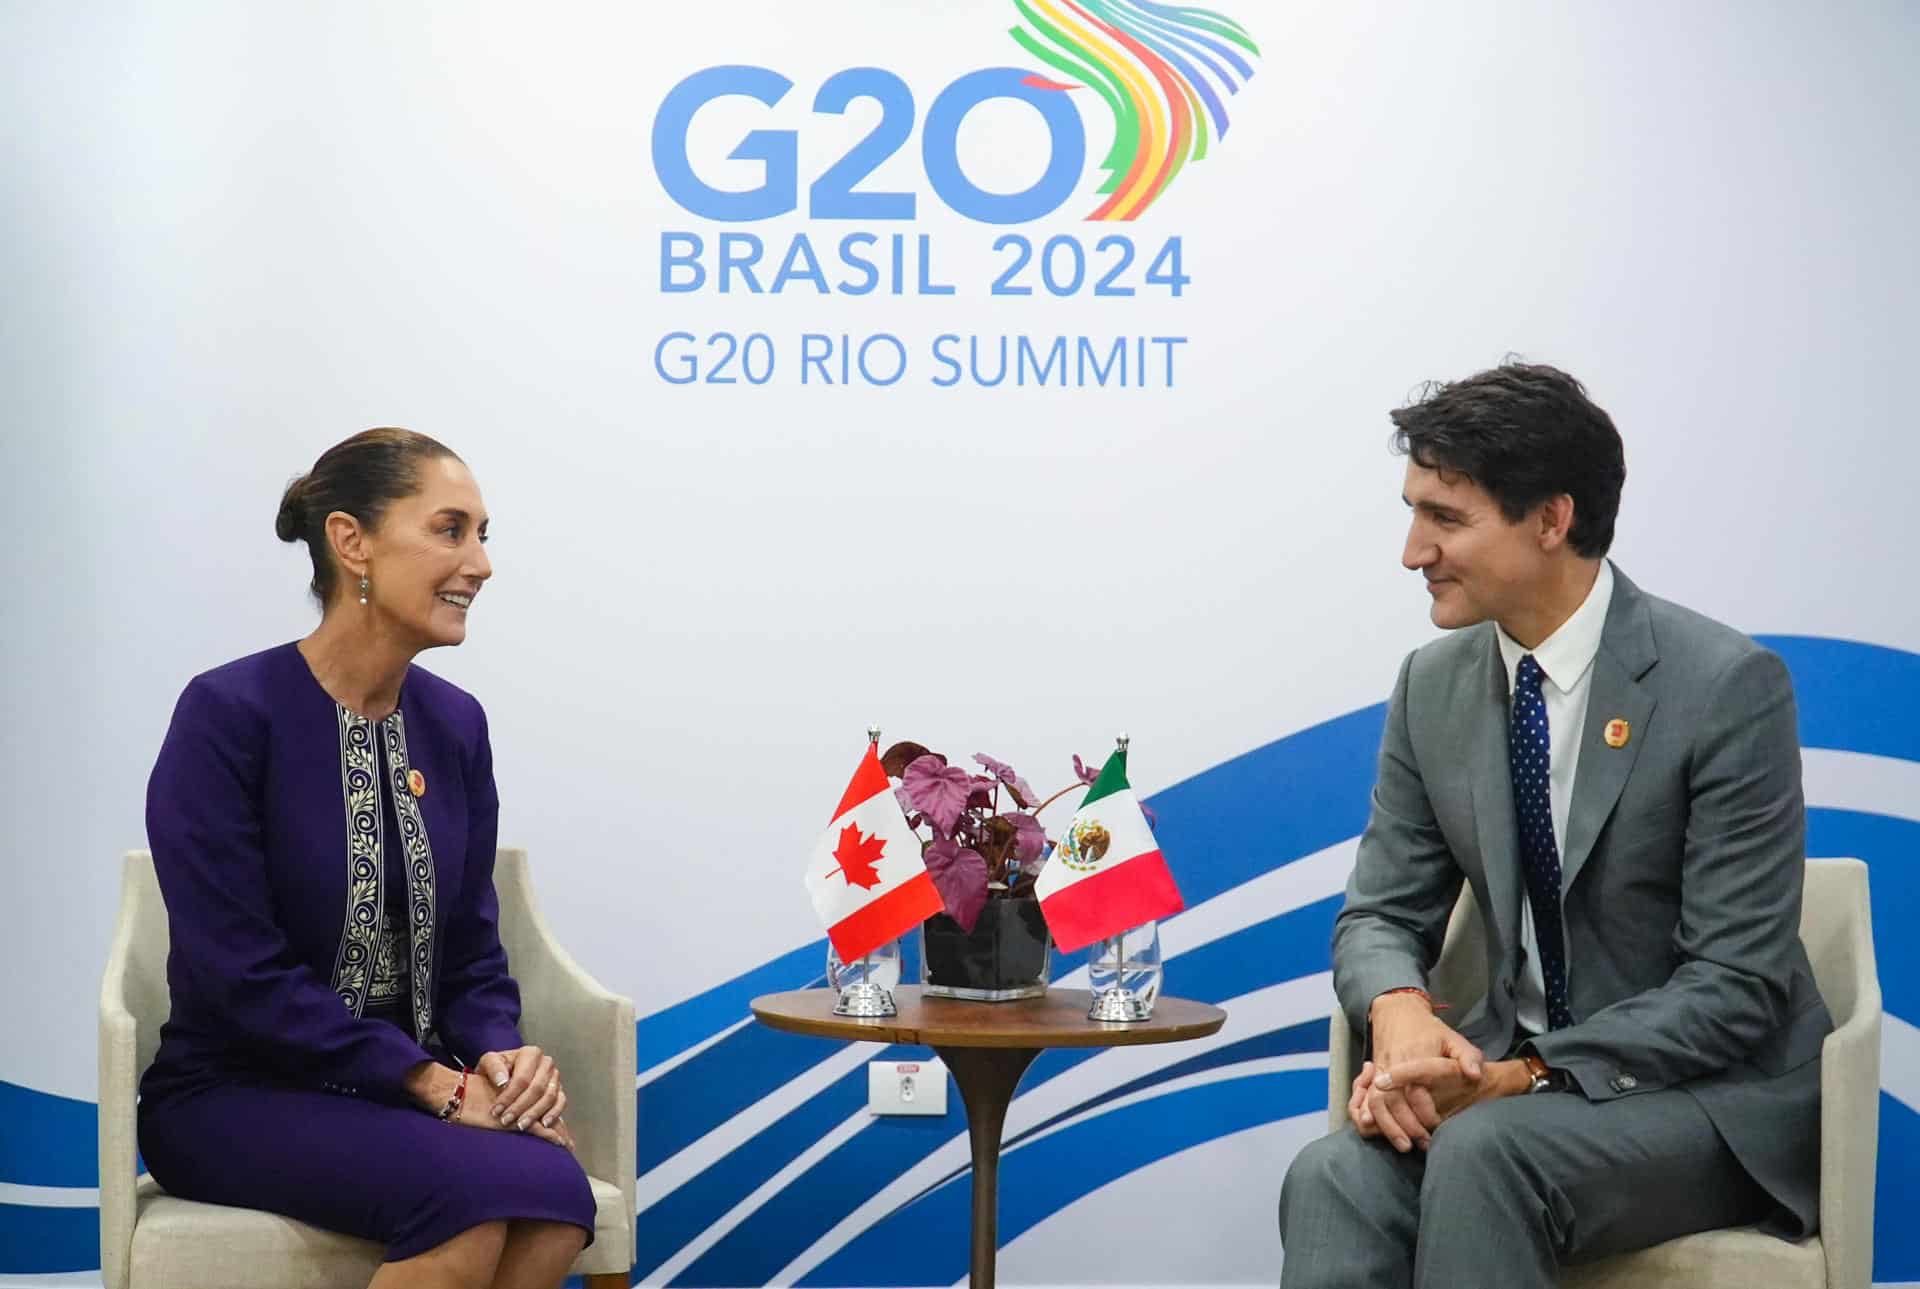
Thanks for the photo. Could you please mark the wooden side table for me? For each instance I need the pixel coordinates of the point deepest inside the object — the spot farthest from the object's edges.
(988, 1046)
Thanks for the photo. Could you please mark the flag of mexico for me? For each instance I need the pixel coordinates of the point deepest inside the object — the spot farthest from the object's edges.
(865, 877)
(1106, 874)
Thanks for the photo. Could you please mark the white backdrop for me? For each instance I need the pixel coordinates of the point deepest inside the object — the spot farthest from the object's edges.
(234, 234)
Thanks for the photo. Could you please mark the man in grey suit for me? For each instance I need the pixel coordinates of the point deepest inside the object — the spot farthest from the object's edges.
(1618, 781)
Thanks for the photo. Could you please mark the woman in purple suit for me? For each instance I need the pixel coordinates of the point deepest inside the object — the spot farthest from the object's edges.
(344, 1043)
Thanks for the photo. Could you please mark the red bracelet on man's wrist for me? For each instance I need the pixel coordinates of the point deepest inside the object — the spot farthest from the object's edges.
(1412, 989)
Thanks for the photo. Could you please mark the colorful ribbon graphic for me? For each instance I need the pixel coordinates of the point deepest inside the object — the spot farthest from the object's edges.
(1156, 65)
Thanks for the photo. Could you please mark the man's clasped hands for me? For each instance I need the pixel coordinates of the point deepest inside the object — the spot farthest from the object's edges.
(1423, 1073)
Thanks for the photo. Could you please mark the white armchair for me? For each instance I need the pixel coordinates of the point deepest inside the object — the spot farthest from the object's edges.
(1837, 928)
(152, 1240)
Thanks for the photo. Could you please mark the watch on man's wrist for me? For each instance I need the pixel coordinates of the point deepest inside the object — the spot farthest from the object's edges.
(1541, 1078)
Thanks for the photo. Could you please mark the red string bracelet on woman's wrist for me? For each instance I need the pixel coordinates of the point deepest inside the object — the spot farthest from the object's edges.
(450, 1112)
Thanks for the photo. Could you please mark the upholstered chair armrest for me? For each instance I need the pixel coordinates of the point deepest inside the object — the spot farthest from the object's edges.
(118, 1084)
(1849, 1138)
(588, 1031)
(1342, 1065)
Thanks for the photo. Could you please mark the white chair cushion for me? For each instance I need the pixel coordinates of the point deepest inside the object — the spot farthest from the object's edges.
(1741, 1258)
(184, 1244)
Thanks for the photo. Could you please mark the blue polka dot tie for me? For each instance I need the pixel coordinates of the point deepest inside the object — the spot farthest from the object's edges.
(1529, 757)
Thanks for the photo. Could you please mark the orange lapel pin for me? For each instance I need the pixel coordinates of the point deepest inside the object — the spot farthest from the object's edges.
(1617, 733)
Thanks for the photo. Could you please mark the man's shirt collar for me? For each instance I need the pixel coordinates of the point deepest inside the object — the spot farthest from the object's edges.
(1566, 654)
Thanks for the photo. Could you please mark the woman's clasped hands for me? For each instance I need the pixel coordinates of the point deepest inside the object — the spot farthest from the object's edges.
(523, 1094)
(517, 1090)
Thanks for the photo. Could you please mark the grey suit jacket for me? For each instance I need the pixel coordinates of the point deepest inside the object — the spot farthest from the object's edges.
(1681, 877)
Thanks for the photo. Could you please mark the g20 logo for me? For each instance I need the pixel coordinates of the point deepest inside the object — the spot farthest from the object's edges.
(1164, 71)
(835, 192)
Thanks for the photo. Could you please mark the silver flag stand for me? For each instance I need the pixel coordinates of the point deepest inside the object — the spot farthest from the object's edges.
(864, 997)
(1119, 1004)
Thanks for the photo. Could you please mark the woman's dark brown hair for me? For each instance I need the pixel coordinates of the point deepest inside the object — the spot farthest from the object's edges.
(362, 476)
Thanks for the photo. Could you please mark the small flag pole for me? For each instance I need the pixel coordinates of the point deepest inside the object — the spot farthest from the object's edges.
(866, 959)
(1118, 1004)
(866, 997)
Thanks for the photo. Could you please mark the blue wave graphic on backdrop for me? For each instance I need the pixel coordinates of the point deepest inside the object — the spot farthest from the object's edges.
(1853, 697)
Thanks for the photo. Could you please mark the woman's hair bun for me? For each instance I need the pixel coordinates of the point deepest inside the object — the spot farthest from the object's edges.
(290, 525)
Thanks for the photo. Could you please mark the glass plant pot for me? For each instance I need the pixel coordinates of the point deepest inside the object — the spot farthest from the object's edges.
(1124, 973)
(1004, 957)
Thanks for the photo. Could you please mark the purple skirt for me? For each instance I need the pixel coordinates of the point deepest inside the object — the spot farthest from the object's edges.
(386, 1173)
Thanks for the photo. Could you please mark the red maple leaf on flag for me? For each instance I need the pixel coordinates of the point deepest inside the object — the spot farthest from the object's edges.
(857, 855)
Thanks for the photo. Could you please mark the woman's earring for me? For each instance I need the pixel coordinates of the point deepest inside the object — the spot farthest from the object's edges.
(363, 590)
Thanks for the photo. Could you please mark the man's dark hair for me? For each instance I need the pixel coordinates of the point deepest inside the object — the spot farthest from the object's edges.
(1523, 432)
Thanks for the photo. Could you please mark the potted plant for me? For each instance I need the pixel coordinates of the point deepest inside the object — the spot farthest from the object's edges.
(983, 844)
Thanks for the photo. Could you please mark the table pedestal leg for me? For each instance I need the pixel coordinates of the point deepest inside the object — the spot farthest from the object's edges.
(987, 1077)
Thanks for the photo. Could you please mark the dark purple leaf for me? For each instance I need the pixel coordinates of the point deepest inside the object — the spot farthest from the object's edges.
(938, 791)
(1023, 793)
(1086, 773)
(960, 875)
(897, 758)
(1029, 838)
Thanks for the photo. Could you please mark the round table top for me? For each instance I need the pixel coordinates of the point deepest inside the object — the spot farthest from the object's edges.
(1058, 1018)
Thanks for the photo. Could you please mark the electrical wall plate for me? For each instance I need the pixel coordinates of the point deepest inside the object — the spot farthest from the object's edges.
(907, 1087)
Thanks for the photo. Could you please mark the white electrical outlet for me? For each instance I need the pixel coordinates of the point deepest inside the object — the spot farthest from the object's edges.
(906, 1087)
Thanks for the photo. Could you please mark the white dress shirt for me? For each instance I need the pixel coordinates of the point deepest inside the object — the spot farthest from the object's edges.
(1566, 657)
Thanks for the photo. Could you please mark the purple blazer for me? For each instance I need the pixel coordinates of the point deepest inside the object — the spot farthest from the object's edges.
(282, 827)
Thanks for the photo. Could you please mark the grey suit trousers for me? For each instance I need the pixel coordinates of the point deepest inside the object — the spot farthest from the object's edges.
(1508, 1192)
